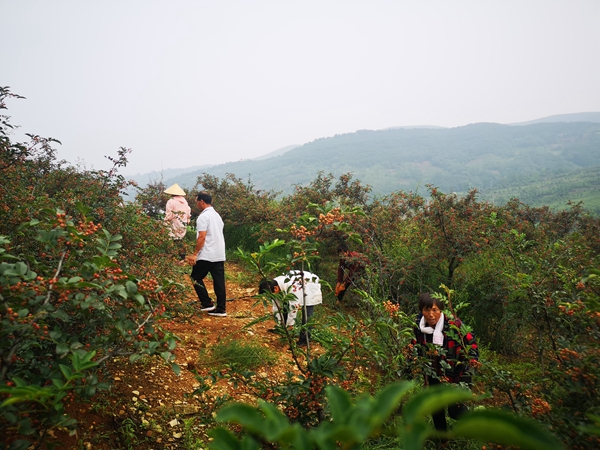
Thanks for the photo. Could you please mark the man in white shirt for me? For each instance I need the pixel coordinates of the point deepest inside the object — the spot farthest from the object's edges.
(209, 256)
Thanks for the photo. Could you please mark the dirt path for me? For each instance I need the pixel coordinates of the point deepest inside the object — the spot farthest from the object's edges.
(150, 393)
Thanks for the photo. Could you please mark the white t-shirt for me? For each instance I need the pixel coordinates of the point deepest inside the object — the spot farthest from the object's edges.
(214, 246)
(292, 283)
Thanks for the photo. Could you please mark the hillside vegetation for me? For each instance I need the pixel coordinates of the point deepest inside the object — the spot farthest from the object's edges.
(90, 291)
(555, 191)
(486, 156)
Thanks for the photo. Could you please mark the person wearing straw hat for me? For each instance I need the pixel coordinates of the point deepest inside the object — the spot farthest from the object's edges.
(177, 216)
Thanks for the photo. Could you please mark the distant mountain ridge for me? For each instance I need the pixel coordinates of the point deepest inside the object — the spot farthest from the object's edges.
(144, 178)
(278, 152)
(575, 117)
(484, 155)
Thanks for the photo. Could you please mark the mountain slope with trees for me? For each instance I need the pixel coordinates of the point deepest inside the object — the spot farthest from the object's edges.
(485, 156)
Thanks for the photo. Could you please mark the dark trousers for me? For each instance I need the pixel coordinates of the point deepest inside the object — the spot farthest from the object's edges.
(305, 332)
(439, 417)
(217, 272)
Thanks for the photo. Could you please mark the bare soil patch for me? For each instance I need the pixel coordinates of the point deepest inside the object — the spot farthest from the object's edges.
(149, 401)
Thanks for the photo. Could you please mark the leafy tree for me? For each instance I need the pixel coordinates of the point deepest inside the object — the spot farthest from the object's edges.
(67, 301)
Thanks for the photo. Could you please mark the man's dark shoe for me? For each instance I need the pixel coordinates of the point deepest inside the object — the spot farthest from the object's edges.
(208, 308)
(218, 313)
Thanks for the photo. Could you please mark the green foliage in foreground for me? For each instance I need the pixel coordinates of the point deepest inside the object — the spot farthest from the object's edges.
(352, 424)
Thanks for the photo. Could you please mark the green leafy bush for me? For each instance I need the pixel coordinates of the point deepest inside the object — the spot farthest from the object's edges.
(353, 423)
(68, 302)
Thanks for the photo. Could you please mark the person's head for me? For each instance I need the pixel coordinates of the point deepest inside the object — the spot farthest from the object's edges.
(431, 308)
(203, 200)
(268, 286)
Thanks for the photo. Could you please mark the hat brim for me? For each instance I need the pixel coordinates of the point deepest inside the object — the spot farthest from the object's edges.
(174, 190)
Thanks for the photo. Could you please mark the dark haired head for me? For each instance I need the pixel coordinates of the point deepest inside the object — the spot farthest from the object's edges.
(427, 301)
(267, 286)
(205, 196)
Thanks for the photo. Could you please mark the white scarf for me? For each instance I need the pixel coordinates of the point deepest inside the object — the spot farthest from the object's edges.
(438, 336)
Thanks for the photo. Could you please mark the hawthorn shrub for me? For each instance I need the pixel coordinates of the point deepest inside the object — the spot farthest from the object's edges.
(153, 200)
(518, 272)
(65, 311)
(302, 395)
(73, 293)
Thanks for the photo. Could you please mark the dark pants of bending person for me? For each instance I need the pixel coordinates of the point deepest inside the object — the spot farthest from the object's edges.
(439, 417)
(217, 272)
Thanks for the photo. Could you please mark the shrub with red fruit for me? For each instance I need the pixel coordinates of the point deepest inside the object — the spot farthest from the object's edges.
(67, 303)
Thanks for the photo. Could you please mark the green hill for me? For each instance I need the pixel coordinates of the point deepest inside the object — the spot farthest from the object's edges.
(487, 156)
(554, 191)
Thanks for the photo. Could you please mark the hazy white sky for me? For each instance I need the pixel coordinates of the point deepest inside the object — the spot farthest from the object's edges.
(191, 82)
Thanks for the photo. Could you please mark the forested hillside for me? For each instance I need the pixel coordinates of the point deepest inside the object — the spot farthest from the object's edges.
(95, 302)
(485, 156)
(554, 191)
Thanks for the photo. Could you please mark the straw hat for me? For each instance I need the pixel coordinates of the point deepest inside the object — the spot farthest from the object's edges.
(174, 190)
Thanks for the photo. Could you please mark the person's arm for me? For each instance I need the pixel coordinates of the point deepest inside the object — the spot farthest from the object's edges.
(199, 244)
(339, 285)
(169, 211)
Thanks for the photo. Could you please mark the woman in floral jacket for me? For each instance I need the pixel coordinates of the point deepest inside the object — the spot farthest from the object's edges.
(451, 352)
